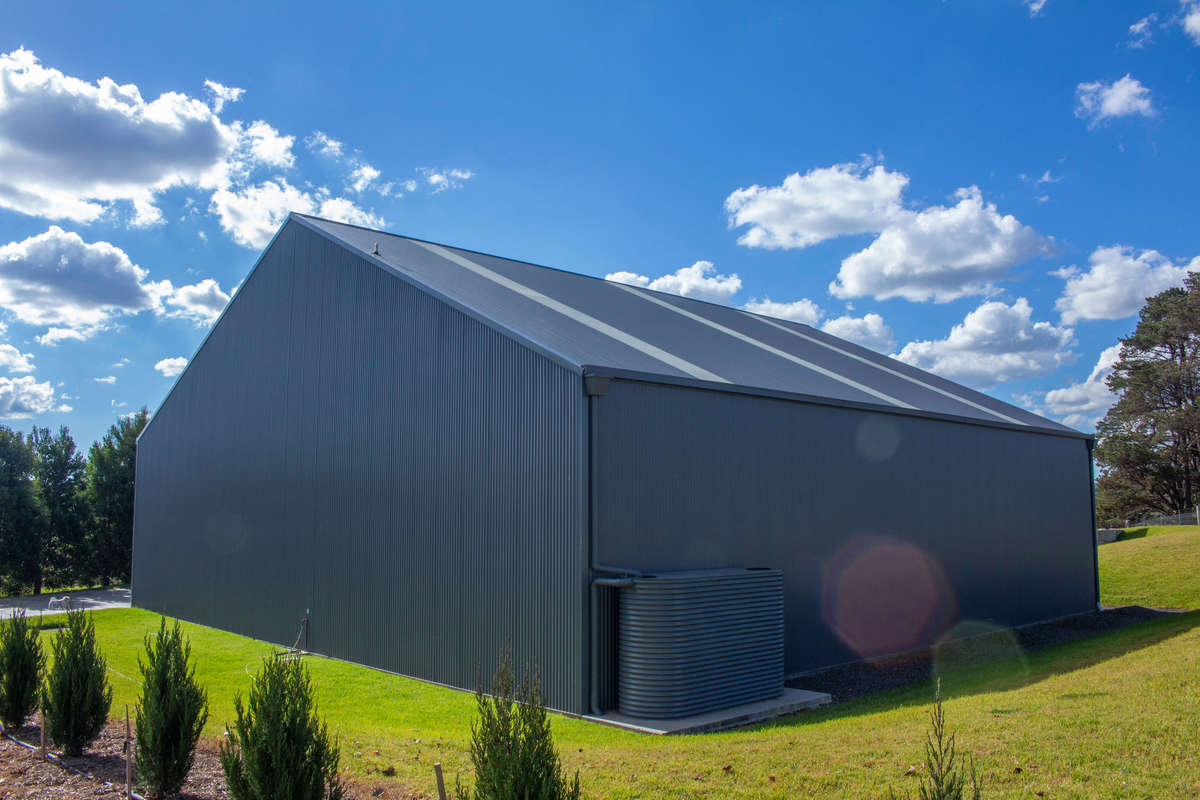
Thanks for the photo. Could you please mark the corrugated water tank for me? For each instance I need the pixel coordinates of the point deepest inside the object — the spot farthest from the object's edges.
(696, 641)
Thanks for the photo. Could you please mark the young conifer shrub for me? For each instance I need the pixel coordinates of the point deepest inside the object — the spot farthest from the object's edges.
(171, 714)
(21, 666)
(76, 698)
(512, 748)
(945, 776)
(279, 749)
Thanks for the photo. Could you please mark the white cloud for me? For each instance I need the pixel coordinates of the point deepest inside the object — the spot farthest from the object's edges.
(1191, 19)
(170, 367)
(804, 311)
(869, 330)
(699, 281)
(1117, 283)
(106, 379)
(58, 279)
(252, 214)
(941, 253)
(69, 149)
(323, 144)
(21, 398)
(1099, 101)
(1081, 405)
(265, 145)
(221, 95)
(124, 362)
(1141, 31)
(1047, 178)
(201, 302)
(993, 344)
(56, 336)
(361, 178)
(845, 199)
(14, 360)
(442, 179)
(1035, 6)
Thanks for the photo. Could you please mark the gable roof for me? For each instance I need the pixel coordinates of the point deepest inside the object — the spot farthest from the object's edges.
(599, 327)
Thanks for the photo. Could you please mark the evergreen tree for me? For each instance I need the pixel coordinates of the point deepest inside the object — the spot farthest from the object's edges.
(171, 714)
(77, 697)
(112, 467)
(21, 665)
(1148, 445)
(60, 472)
(20, 515)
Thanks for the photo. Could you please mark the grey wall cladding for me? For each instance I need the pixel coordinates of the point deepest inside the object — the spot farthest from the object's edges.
(345, 443)
(693, 479)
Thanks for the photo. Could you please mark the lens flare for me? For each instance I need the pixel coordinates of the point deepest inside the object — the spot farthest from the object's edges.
(882, 595)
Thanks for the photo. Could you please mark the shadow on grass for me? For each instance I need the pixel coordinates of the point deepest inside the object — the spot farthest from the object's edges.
(992, 663)
(1133, 533)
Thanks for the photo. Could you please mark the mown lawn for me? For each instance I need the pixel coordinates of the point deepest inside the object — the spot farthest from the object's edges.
(1158, 567)
(1117, 715)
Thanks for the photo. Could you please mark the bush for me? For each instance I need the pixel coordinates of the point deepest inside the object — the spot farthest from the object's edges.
(77, 697)
(945, 775)
(279, 749)
(511, 745)
(21, 665)
(171, 714)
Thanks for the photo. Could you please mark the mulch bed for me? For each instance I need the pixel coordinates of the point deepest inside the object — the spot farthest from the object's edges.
(24, 775)
(850, 681)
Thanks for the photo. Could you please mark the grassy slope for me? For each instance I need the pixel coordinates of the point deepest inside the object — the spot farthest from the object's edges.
(1114, 716)
(1160, 568)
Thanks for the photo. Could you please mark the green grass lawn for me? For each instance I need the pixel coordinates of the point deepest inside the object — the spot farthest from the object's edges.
(1117, 715)
(1157, 567)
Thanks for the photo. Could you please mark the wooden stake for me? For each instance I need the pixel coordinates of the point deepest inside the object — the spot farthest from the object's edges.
(128, 791)
(437, 770)
(42, 746)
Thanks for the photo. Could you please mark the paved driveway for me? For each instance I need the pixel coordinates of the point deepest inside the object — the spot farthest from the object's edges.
(92, 599)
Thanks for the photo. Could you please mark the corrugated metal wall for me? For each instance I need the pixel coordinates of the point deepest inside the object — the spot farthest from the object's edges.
(889, 529)
(345, 443)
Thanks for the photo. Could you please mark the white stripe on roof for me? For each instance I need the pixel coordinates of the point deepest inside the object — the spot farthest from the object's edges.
(764, 346)
(573, 313)
(888, 370)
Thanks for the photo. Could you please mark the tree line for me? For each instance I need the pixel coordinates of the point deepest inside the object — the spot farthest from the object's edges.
(1148, 444)
(65, 519)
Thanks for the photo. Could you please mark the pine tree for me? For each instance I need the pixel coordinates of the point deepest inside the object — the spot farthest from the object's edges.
(279, 749)
(21, 666)
(171, 714)
(512, 748)
(77, 697)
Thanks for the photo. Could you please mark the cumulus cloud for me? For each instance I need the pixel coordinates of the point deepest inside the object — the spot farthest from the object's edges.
(1141, 31)
(1082, 405)
(324, 144)
(264, 146)
(993, 344)
(21, 398)
(1191, 19)
(201, 302)
(252, 214)
(1117, 283)
(807, 208)
(442, 179)
(170, 367)
(106, 379)
(69, 148)
(700, 281)
(14, 360)
(1098, 101)
(869, 330)
(361, 178)
(941, 253)
(804, 311)
(221, 95)
(57, 279)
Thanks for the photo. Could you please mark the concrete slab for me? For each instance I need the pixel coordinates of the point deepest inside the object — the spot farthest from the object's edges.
(89, 600)
(791, 701)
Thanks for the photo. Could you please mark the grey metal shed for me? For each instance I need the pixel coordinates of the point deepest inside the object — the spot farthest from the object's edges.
(432, 453)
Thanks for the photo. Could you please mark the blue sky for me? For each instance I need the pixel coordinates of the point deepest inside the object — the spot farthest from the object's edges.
(984, 188)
